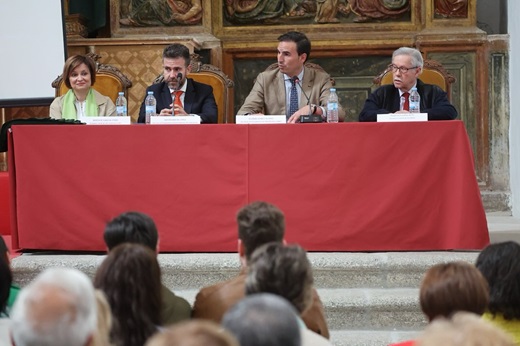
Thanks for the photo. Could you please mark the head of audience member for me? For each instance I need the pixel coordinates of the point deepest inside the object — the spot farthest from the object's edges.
(193, 333)
(6, 276)
(463, 329)
(130, 278)
(258, 223)
(104, 320)
(176, 59)
(450, 287)
(58, 308)
(500, 265)
(79, 73)
(263, 320)
(131, 227)
(284, 271)
(406, 66)
(294, 48)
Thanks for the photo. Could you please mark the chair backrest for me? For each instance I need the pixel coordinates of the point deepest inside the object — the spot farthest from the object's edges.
(221, 83)
(109, 80)
(433, 73)
(310, 65)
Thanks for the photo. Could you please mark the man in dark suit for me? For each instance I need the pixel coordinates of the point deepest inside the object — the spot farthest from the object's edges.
(407, 64)
(258, 223)
(195, 98)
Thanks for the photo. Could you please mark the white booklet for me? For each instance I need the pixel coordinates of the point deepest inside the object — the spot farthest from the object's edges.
(175, 120)
(401, 117)
(261, 119)
(106, 120)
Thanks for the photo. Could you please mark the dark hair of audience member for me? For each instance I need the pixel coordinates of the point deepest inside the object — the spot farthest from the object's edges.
(281, 270)
(450, 287)
(263, 319)
(500, 265)
(193, 333)
(131, 227)
(6, 276)
(260, 223)
(130, 277)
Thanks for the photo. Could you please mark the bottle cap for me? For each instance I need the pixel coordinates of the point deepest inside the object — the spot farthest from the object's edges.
(150, 93)
(333, 89)
(121, 93)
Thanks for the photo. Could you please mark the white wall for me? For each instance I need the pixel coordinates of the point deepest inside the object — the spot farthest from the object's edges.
(33, 49)
(513, 13)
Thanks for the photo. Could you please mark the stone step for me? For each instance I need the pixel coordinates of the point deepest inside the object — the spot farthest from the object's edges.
(370, 337)
(331, 270)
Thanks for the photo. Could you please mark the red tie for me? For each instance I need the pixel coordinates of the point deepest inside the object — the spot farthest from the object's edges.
(178, 101)
(406, 103)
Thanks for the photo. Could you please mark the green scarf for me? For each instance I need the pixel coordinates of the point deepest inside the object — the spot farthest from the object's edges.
(69, 109)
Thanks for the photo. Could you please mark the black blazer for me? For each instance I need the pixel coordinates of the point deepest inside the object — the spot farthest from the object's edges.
(385, 99)
(198, 100)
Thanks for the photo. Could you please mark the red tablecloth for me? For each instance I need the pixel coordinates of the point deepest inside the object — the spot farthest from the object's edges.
(342, 187)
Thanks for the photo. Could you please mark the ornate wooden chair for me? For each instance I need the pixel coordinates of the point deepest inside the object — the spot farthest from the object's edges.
(109, 80)
(221, 83)
(308, 65)
(433, 73)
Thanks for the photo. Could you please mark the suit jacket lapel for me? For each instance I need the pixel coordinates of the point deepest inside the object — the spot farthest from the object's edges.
(308, 82)
(279, 89)
(189, 96)
(165, 96)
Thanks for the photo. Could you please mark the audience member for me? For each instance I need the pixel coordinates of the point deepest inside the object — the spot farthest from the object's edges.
(12, 290)
(406, 66)
(195, 98)
(57, 309)
(193, 333)
(450, 287)
(6, 278)
(139, 228)
(79, 74)
(500, 265)
(104, 320)
(284, 271)
(263, 320)
(463, 329)
(274, 89)
(258, 223)
(131, 280)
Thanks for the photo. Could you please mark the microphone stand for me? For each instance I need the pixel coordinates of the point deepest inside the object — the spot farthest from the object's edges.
(310, 118)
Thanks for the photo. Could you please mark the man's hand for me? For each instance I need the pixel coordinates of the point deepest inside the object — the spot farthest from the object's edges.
(297, 115)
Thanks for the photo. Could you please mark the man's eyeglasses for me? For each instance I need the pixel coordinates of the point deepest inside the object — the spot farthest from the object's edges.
(401, 69)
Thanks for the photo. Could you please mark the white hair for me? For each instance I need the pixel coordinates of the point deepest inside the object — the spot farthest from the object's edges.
(57, 309)
(414, 54)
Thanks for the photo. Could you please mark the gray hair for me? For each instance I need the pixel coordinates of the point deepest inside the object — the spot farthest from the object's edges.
(417, 59)
(58, 308)
(263, 319)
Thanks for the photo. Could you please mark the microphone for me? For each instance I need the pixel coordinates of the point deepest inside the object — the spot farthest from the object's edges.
(310, 118)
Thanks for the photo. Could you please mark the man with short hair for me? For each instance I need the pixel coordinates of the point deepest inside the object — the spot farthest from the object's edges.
(139, 228)
(191, 97)
(57, 309)
(274, 89)
(406, 66)
(263, 320)
(259, 223)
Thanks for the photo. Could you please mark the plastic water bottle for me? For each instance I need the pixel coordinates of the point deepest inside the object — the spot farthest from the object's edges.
(415, 101)
(332, 107)
(150, 104)
(121, 105)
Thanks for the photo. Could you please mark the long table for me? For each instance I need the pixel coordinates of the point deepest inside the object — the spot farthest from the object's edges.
(342, 187)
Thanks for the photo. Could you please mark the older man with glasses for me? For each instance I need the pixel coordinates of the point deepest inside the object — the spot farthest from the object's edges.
(406, 66)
